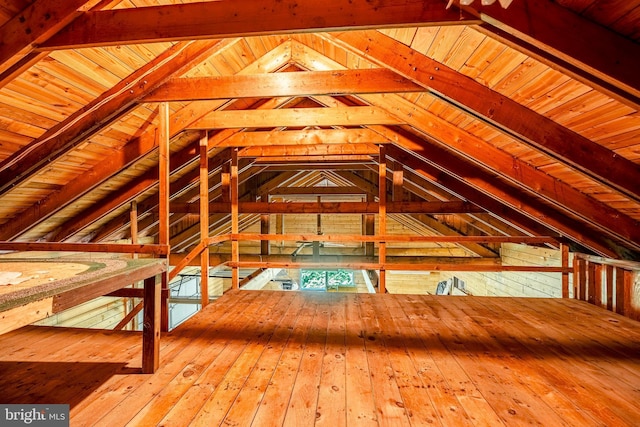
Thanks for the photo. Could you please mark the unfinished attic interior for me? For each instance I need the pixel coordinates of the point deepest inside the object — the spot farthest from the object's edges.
(347, 212)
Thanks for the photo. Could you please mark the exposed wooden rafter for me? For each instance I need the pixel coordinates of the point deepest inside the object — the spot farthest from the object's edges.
(101, 111)
(599, 53)
(590, 158)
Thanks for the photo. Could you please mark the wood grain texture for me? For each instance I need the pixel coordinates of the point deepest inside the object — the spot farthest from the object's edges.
(346, 359)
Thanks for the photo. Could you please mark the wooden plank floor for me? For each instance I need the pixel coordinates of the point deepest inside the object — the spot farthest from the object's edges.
(268, 358)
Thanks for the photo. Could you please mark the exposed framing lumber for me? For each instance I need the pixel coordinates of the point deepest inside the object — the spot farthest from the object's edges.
(584, 44)
(294, 117)
(204, 217)
(225, 19)
(304, 137)
(542, 133)
(98, 113)
(524, 175)
(307, 153)
(151, 329)
(449, 136)
(85, 247)
(36, 23)
(186, 237)
(133, 151)
(400, 267)
(164, 194)
(164, 191)
(564, 255)
(391, 238)
(331, 207)
(382, 218)
(235, 246)
(105, 285)
(129, 316)
(313, 191)
(271, 85)
(218, 259)
(369, 227)
(144, 182)
(511, 204)
(22, 65)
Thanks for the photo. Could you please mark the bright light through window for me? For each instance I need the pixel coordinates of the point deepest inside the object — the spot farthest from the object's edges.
(322, 280)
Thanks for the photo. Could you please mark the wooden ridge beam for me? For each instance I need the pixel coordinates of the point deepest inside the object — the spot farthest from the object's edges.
(571, 38)
(331, 207)
(271, 85)
(544, 134)
(304, 137)
(100, 112)
(227, 19)
(294, 117)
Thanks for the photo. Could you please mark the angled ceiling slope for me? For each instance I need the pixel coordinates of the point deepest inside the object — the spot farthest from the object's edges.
(537, 132)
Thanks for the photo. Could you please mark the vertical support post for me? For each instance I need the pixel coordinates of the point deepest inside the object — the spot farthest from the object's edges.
(576, 276)
(582, 280)
(382, 217)
(163, 202)
(133, 220)
(597, 284)
(627, 280)
(316, 243)
(225, 182)
(204, 217)
(609, 286)
(398, 181)
(151, 326)
(620, 297)
(235, 253)
(564, 254)
(280, 227)
(591, 283)
(369, 228)
(265, 228)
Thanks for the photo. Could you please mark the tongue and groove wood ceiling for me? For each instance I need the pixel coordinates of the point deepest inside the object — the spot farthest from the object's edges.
(519, 121)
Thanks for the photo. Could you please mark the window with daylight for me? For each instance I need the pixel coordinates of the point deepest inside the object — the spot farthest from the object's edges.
(322, 280)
